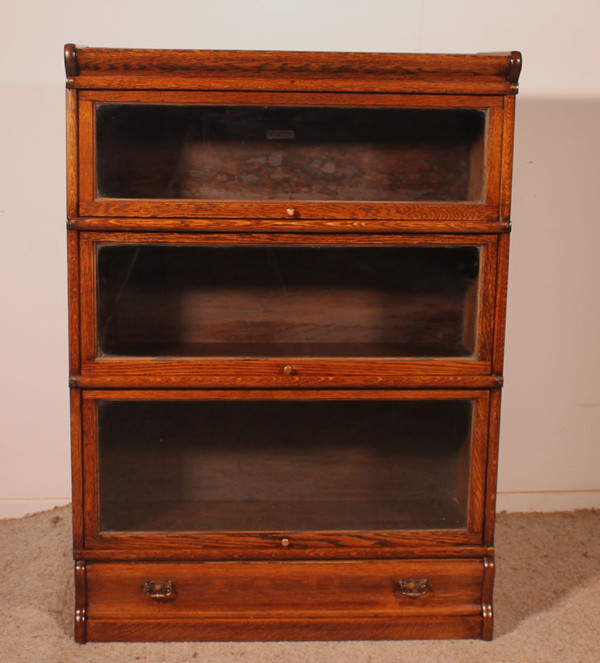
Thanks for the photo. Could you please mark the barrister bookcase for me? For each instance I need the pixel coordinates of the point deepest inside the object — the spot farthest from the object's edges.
(287, 282)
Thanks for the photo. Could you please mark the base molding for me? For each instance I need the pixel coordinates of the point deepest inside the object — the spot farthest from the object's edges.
(242, 630)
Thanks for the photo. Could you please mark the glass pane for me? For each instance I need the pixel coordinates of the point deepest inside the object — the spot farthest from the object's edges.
(283, 465)
(282, 153)
(298, 301)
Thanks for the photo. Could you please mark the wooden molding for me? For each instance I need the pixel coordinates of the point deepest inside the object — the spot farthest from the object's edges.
(80, 602)
(95, 68)
(486, 606)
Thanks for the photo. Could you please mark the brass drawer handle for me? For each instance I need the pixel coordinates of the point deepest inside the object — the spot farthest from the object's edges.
(159, 591)
(414, 587)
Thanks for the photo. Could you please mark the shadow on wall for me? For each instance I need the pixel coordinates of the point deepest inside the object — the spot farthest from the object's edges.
(553, 321)
(555, 209)
(557, 160)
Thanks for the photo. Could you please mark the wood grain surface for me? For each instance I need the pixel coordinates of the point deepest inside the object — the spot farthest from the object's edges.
(297, 600)
(146, 338)
(290, 70)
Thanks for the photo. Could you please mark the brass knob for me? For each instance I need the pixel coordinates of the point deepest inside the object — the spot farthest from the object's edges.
(285, 542)
(289, 370)
(290, 211)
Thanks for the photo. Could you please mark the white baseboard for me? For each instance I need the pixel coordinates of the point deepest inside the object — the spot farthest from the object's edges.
(560, 500)
(10, 508)
(568, 500)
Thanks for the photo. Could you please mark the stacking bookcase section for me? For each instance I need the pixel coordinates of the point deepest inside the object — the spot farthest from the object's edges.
(226, 463)
(287, 309)
(287, 281)
(197, 157)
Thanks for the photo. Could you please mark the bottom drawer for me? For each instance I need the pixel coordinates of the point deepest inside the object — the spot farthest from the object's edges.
(284, 600)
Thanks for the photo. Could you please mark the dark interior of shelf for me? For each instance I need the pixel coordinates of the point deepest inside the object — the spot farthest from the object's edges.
(283, 153)
(283, 465)
(277, 301)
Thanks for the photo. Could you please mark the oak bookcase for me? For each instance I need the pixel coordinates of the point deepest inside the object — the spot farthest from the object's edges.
(287, 281)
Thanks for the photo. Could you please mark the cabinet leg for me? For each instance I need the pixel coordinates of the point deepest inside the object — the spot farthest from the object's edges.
(487, 630)
(80, 603)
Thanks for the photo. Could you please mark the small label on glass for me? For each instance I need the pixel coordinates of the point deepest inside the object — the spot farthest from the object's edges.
(281, 134)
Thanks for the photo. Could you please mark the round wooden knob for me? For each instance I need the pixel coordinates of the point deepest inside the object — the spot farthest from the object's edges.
(285, 542)
(288, 370)
(290, 211)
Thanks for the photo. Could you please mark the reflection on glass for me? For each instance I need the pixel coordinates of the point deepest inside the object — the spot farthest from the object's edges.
(301, 301)
(283, 465)
(283, 153)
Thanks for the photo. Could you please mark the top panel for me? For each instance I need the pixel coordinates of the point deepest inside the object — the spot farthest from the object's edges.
(288, 140)
(104, 68)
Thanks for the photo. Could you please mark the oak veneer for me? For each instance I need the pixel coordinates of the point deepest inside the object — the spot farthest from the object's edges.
(268, 442)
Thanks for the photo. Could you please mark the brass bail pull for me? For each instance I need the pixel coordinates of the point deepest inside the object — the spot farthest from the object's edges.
(413, 587)
(159, 591)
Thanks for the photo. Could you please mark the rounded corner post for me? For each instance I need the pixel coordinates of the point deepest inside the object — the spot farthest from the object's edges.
(71, 66)
(514, 69)
(80, 621)
(487, 610)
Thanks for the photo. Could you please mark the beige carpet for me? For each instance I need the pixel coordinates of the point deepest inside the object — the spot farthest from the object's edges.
(547, 604)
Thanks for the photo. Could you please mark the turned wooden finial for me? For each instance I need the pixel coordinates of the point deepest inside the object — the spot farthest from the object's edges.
(514, 71)
(71, 66)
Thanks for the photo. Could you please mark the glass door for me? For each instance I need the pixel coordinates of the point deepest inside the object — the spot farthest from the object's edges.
(287, 302)
(294, 156)
(218, 463)
(288, 153)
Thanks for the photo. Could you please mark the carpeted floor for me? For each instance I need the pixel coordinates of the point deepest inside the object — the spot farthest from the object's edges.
(547, 604)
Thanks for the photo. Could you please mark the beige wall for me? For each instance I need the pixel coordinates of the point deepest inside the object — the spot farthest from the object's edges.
(550, 451)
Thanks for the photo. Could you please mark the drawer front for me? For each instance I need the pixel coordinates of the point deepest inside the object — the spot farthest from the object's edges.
(284, 589)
